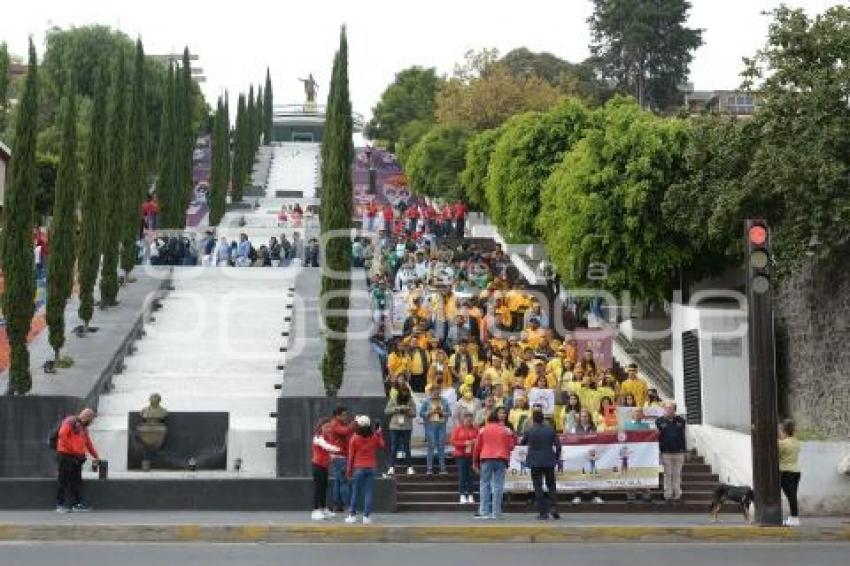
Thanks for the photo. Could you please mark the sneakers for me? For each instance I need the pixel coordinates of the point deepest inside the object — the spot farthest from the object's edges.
(351, 519)
(481, 517)
(598, 500)
(542, 517)
(470, 499)
(576, 500)
(80, 508)
(62, 509)
(410, 471)
(367, 520)
(556, 515)
(391, 471)
(792, 522)
(463, 500)
(328, 514)
(317, 515)
(444, 473)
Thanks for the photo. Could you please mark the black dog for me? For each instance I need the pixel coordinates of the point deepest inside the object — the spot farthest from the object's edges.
(742, 495)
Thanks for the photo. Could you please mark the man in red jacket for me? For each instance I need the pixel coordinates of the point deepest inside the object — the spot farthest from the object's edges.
(72, 445)
(491, 455)
(341, 431)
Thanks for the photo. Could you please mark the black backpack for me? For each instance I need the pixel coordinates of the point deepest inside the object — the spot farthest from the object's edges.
(252, 254)
(53, 436)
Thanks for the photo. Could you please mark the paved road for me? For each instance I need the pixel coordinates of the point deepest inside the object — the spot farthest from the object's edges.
(693, 554)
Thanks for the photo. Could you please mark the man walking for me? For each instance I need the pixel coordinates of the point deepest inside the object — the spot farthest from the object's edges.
(544, 453)
(673, 447)
(490, 458)
(72, 445)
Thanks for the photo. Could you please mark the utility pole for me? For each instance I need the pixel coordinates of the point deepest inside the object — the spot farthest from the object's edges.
(763, 396)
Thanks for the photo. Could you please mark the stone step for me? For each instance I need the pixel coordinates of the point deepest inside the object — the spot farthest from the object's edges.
(618, 507)
(703, 497)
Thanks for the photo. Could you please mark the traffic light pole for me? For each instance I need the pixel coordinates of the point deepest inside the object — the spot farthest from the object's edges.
(763, 396)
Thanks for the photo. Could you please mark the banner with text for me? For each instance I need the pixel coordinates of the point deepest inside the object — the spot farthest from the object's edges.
(613, 460)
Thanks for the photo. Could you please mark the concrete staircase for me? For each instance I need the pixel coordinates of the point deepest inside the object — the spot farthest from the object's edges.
(420, 493)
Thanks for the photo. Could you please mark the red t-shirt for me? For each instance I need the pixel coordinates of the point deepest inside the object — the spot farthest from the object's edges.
(340, 434)
(495, 442)
(362, 451)
(460, 436)
(74, 439)
(388, 213)
(460, 211)
(448, 213)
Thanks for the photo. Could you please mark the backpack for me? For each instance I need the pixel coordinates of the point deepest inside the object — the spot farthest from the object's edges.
(53, 436)
(252, 254)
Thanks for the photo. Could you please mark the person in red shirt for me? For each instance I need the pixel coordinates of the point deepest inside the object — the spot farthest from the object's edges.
(447, 214)
(460, 218)
(388, 215)
(491, 455)
(362, 465)
(72, 445)
(463, 441)
(340, 434)
(412, 215)
(322, 451)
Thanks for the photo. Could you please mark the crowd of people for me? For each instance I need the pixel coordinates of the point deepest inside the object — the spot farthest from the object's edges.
(187, 250)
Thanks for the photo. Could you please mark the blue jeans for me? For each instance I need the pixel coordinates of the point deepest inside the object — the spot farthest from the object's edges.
(362, 482)
(339, 485)
(464, 466)
(435, 434)
(492, 487)
(400, 442)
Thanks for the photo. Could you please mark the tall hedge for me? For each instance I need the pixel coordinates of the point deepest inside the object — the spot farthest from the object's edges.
(19, 207)
(268, 110)
(335, 218)
(116, 183)
(137, 172)
(60, 264)
(91, 202)
(473, 178)
(167, 183)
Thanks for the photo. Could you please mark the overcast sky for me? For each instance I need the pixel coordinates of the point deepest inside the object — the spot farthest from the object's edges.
(237, 40)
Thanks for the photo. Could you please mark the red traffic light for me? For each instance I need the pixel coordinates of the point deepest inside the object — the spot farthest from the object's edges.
(758, 234)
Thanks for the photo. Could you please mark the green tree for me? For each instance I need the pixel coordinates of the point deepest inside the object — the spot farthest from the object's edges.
(473, 178)
(335, 217)
(47, 168)
(4, 84)
(116, 183)
(60, 262)
(644, 46)
(409, 136)
(602, 205)
(218, 174)
(259, 107)
(91, 203)
(799, 175)
(241, 150)
(268, 110)
(18, 269)
(531, 145)
(573, 79)
(251, 119)
(410, 97)
(167, 183)
(136, 166)
(435, 162)
(185, 125)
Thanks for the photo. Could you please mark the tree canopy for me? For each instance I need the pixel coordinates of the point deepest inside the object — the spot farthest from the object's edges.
(474, 176)
(410, 97)
(644, 46)
(435, 162)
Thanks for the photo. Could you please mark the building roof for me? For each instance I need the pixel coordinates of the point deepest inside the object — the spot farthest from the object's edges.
(5, 152)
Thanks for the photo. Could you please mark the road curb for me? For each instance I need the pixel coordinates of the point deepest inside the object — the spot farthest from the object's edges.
(296, 533)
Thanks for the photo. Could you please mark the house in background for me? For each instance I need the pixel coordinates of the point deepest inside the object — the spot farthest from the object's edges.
(725, 102)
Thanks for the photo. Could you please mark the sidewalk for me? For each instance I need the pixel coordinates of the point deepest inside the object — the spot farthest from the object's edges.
(400, 528)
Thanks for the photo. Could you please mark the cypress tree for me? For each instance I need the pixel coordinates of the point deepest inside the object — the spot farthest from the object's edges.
(268, 110)
(19, 208)
(228, 155)
(218, 178)
(91, 203)
(60, 262)
(338, 152)
(186, 133)
(116, 184)
(165, 175)
(136, 166)
(258, 116)
(240, 151)
(251, 119)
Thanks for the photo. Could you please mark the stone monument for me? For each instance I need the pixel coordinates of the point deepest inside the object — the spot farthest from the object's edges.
(153, 429)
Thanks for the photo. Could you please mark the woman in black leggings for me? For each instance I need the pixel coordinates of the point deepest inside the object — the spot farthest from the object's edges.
(789, 469)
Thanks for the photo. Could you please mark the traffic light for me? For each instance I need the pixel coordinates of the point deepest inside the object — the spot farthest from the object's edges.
(758, 256)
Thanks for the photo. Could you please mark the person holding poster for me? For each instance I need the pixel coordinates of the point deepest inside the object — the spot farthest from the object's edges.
(543, 396)
(435, 413)
(544, 453)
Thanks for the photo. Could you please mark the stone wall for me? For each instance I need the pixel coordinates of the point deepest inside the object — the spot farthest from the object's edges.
(813, 353)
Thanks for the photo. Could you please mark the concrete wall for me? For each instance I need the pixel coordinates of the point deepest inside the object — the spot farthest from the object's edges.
(824, 490)
(723, 363)
(295, 494)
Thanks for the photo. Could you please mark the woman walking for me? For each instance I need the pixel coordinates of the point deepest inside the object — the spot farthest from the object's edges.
(789, 469)
(362, 464)
(401, 411)
(322, 450)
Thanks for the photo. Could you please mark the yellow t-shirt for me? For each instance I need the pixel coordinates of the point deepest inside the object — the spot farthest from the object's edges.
(535, 337)
(518, 418)
(416, 364)
(789, 455)
(555, 366)
(635, 387)
(589, 399)
(397, 364)
(606, 391)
